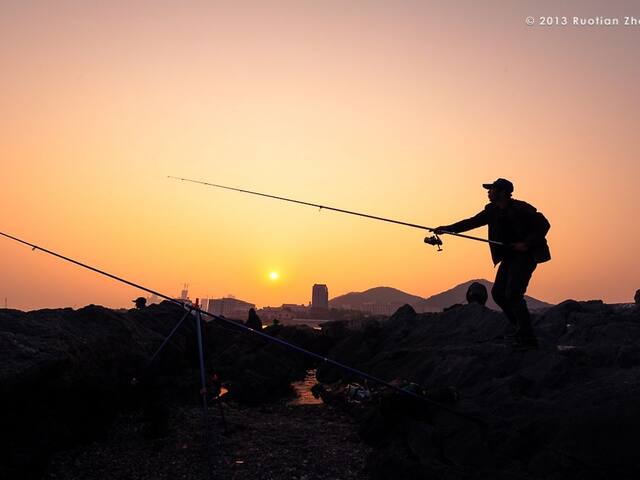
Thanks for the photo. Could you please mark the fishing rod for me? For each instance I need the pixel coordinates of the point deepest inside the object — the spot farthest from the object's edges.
(221, 319)
(433, 240)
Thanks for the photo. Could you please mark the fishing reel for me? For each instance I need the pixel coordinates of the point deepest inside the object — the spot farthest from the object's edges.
(435, 241)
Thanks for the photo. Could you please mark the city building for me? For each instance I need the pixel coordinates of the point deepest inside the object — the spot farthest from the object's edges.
(204, 304)
(320, 297)
(184, 293)
(229, 307)
(319, 301)
(268, 314)
(299, 310)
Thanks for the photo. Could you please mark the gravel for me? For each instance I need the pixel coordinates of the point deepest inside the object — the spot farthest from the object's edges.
(276, 441)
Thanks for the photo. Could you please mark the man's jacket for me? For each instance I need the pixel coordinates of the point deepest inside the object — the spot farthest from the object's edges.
(524, 223)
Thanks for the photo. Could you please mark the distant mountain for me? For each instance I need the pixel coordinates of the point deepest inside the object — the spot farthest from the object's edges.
(378, 295)
(458, 294)
(393, 298)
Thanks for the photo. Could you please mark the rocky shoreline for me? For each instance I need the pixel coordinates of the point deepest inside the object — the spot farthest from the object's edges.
(568, 412)
(68, 407)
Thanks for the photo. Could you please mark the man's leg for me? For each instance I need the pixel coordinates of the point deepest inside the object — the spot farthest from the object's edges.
(520, 270)
(499, 290)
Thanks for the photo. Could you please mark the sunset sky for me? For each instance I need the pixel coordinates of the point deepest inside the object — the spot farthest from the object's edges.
(396, 108)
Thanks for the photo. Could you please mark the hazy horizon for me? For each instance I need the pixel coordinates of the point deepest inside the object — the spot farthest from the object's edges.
(286, 301)
(397, 109)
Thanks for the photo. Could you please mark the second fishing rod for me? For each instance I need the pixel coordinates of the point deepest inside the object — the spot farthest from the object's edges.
(239, 326)
(434, 240)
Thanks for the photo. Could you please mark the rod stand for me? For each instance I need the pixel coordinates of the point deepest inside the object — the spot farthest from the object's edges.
(203, 391)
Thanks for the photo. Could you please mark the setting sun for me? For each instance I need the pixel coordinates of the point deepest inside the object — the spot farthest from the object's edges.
(274, 275)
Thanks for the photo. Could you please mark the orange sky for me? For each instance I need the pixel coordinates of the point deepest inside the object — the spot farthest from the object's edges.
(400, 109)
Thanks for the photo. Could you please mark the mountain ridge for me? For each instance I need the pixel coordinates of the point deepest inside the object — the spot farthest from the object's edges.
(385, 295)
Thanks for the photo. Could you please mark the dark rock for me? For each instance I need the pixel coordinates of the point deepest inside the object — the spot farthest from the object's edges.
(451, 307)
(63, 373)
(405, 311)
(628, 356)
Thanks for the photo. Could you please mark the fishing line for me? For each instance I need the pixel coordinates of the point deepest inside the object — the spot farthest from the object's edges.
(431, 240)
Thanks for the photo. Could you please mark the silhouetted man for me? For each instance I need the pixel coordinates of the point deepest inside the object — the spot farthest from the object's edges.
(477, 293)
(254, 321)
(140, 302)
(522, 229)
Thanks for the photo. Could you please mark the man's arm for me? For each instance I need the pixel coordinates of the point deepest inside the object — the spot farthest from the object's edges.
(476, 221)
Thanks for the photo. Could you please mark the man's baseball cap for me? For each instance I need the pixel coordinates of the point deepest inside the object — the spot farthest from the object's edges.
(500, 184)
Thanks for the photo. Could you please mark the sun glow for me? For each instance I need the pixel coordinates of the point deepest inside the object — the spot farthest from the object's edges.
(274, 276)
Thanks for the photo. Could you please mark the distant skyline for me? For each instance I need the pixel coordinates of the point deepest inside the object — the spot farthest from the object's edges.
(398, 109)
(281, 302)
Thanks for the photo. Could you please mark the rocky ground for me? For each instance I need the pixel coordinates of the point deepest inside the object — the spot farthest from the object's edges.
(66, 374)
(569, 410)
(277, 441)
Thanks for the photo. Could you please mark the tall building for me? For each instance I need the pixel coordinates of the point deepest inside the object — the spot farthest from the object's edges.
(320, 297)
(184, 293)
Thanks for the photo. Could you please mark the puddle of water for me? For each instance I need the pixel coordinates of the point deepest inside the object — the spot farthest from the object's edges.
(303, 390)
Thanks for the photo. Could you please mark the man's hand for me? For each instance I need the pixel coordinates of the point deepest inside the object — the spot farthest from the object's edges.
(519, 247)
(439, 230)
